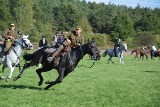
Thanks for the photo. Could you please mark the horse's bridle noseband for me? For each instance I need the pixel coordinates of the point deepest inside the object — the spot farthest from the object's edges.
(94, 52)
(23, 42)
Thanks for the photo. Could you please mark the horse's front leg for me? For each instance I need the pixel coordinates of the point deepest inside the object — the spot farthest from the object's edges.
(10, 71)
(40, 76)
(58, 80)
(43, 69)
(121, 60)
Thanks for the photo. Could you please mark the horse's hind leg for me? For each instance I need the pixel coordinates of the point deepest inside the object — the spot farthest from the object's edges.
(110, 59)
(3, 68)
(2, 77)
(23, 69)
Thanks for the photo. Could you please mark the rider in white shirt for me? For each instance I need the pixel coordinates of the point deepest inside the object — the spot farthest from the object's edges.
(153, 50)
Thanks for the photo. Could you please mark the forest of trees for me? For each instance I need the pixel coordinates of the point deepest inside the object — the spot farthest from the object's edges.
(105, 23)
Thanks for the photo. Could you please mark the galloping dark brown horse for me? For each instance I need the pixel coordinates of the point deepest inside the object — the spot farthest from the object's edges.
(141, 53)
(67, 62)
(156, 54)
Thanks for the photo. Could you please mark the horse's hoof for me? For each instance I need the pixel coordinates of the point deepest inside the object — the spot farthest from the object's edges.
(2, 78)
(40, 83)
(47, 82)
(45, 88)
(7, 79)
(15, 78)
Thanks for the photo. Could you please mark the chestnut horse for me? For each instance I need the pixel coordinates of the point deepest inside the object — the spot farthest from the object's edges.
(141, 53)
(156, 54)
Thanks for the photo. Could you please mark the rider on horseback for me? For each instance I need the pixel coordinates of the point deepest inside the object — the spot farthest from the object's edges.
(154, 49)
(116, 46)
(73, 39)
(10, 36)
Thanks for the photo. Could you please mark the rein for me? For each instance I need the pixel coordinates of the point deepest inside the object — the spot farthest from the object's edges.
(81, 50)
(87, 66)
(82, 59)
(19, 43)
(22, 44)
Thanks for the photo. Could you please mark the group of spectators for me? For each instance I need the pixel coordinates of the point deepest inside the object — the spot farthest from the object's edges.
(57, 40)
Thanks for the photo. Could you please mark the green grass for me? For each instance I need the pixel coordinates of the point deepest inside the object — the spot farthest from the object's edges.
(134, 84)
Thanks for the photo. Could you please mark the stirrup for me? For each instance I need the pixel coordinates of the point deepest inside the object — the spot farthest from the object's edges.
(49, 59)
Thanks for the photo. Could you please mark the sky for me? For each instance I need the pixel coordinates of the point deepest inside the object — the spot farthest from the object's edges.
(131, 3)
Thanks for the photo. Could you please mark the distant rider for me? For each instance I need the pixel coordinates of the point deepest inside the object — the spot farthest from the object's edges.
(116, 46)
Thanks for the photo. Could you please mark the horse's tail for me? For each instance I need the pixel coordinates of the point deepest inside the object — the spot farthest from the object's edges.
(133, 52)
(104, 53)
(28, 57)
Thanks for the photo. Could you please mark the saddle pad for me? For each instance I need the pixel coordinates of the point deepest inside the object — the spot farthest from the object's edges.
(50, 50)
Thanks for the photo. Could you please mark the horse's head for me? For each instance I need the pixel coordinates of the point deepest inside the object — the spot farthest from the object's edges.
(25, 42)
(124, 47)
(93, 50)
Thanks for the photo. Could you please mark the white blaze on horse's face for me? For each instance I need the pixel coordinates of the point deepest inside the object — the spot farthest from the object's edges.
(27, 43)
(125, 46)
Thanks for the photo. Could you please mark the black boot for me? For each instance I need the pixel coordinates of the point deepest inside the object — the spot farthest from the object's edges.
(56, 53)
(1, 54)
(115, 53)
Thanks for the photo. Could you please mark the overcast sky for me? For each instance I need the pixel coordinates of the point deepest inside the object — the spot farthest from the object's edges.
(131, 3)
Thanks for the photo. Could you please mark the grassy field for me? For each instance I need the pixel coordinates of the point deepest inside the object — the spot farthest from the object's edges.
(134, 84)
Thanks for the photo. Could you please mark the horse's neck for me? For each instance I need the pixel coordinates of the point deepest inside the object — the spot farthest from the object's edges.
(18, 49)
(122, 48)
(78, 54)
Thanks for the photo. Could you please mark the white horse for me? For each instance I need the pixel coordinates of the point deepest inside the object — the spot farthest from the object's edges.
(12, 59)
(111, 54)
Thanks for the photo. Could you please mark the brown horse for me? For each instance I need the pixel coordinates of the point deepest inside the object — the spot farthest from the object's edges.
(141, 52)
(156, 54)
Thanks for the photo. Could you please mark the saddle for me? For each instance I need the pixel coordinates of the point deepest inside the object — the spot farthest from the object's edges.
(3, 53)
(51, 50)
(64, 52)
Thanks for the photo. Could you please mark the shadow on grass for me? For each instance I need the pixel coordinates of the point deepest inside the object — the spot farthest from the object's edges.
(151, 71)
(20, 87)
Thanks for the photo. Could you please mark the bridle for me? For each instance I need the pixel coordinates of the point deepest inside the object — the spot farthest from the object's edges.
(23, 42)
(93, 51)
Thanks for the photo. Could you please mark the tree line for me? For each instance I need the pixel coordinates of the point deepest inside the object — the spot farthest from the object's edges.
(103, 22)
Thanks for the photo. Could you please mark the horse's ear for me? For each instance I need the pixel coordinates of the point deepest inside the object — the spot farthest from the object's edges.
(27, 36)
(88, 40)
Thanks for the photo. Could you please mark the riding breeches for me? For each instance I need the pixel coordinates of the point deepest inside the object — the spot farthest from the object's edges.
(8, 44)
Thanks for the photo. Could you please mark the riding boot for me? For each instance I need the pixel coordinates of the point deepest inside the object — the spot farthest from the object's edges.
(6, 60)
(8, 45)
(115, 53)
(1, 54)
(56, 53)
